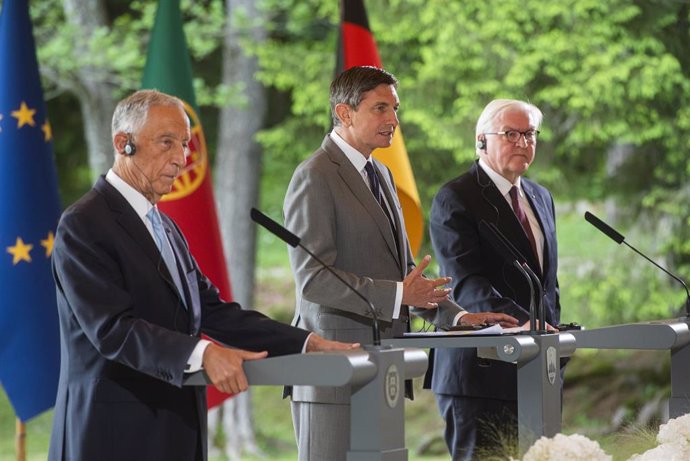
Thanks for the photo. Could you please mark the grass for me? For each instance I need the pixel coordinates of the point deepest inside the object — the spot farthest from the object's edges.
(37, 430)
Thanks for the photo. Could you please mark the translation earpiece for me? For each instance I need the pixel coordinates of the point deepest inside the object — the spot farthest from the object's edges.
(130, 148)
(481, 144)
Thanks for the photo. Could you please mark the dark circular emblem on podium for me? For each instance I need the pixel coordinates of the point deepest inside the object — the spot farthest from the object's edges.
(392, 386)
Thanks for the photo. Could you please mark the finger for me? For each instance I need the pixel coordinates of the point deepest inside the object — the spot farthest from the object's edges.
(242, 382)
(246, 355)
(440, 281)
(421, 266)
(441, 292)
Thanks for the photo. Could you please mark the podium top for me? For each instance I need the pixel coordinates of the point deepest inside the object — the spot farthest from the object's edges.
(507, 348)
(315, 369)
(662, 334)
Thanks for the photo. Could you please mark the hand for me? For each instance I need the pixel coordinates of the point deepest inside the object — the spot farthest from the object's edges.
(224, 367)
(505, 320)
(316, 343)
(420, 291)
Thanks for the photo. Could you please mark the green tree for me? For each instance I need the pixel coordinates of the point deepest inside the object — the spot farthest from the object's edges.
(611, 78)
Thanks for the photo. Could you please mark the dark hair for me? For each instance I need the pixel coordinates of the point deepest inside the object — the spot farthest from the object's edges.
(350, 86)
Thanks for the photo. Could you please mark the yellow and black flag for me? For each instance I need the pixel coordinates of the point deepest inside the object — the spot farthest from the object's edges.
(357, 47)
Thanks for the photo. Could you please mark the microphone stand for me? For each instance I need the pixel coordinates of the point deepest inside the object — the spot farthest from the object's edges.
(541, 314)
(532, 310)
(376, 333)
(619, 238)
(512, 255)
(294, 241)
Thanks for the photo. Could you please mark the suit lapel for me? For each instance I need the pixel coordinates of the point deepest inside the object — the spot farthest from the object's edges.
(506, 220)
(129, 221)
(188, 276)
(132, 225)
(354, 181)
(388, 188)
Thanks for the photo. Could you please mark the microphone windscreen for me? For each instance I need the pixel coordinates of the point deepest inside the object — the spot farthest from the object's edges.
(275, 228)
(603, 227)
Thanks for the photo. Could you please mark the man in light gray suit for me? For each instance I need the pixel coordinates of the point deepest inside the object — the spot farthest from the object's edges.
(343, 204)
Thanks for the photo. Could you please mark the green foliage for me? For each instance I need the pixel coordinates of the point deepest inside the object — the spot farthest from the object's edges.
(610, 77)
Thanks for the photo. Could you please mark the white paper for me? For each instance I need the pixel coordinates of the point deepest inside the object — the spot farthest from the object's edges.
(492, 330)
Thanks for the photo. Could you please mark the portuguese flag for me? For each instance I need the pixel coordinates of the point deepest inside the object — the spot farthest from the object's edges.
(357, 47)
(190, 203)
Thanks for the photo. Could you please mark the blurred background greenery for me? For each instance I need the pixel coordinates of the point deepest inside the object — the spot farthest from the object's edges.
(612, 78)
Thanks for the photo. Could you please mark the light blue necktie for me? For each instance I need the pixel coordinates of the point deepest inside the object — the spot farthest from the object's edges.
(166, 250)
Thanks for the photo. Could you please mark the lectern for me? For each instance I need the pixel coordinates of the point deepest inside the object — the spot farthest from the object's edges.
(376, 377)
(672, 335)
(537, 358)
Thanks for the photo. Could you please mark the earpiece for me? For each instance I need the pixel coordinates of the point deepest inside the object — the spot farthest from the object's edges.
(481, 144)
(130, 148)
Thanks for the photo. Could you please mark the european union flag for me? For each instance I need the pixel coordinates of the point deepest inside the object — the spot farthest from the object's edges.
(29, 212)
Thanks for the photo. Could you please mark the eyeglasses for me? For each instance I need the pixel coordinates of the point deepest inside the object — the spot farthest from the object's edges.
(515, 135)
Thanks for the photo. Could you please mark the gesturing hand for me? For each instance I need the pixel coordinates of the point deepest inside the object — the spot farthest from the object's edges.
(420, 291)
(224, 367)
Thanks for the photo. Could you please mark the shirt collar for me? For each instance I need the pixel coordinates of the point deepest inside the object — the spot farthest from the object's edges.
(355, 157)
(502, 183)
(135, 198)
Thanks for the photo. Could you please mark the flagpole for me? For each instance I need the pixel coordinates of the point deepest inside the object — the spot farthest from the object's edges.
(20, 440)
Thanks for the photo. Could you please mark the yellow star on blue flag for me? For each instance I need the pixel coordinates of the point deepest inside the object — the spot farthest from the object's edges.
(29, 211)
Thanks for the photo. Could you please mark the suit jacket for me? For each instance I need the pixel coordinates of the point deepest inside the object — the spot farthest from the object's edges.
(332, 209)
(126, 336)
(482, 280)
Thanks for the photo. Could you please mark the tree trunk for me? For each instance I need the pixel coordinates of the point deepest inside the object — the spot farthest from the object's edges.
(238, 170)
(95, 96)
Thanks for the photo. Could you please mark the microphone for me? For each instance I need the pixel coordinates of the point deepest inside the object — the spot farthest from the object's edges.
(619, 238)
(508, 251)
(294, 241)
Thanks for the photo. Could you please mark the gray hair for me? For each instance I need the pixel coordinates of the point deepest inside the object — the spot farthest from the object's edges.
(131, 113)
(350, 86)
(498, 106)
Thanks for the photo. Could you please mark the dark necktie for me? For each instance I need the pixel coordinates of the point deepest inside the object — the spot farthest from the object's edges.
(522, 217)
(375, 187)
(374, 183)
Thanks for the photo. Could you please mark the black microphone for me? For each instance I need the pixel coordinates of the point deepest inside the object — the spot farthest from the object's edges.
(294, 241)
(511, 254)
(618, 238)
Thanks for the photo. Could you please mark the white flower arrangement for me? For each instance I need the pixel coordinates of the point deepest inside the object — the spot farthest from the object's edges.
(561, 447)
(676, 431)
(665, 452)
(674, 440)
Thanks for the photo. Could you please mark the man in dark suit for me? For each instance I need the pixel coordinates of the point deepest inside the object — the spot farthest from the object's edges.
(343, 204)
(476, 397)
(132, 304)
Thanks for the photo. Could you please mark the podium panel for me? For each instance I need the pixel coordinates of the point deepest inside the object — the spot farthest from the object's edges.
(537, 358)
(376, 376)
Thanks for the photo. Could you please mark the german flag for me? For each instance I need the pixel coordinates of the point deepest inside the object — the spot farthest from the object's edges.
(357, 47)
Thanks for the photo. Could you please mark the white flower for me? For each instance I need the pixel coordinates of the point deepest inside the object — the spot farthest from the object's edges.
(665, 452)
(676, 431)
(561, 447)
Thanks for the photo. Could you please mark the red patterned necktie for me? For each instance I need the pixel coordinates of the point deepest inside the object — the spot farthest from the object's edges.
(522, 217)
